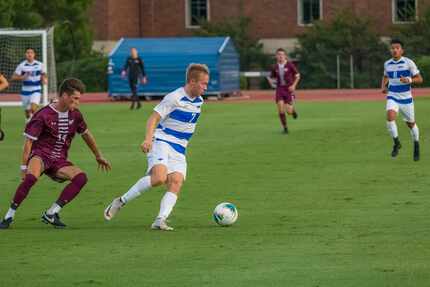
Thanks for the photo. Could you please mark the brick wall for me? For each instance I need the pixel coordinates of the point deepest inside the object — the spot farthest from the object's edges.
(272, 19)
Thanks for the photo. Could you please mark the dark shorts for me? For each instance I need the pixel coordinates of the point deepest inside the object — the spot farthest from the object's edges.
(283, 94)
(51, 166)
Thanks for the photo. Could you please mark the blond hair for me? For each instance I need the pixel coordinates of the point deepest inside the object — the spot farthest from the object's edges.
(194, 70)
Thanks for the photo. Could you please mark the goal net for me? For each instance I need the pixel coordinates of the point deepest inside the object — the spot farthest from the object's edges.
(13, 44)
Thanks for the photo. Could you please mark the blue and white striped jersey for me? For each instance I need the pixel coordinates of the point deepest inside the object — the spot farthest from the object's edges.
(398, 91)
(179, 114)
(32, 84)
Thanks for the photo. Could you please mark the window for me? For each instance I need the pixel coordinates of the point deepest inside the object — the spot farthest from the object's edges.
(404, 11)
(197, 11)
(309, 11)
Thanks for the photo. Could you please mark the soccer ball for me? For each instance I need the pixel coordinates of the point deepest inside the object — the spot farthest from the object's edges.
(225, 214)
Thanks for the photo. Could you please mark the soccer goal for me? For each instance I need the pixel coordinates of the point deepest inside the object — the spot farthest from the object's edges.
(13, 44)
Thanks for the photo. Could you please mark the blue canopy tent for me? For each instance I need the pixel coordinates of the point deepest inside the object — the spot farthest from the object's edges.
(166, 60)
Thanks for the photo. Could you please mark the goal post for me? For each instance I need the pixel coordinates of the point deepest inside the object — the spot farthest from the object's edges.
(13, 44)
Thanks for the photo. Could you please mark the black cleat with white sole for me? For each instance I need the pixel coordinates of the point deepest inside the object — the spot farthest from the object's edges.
(53, 219)
(5, 223)
(396, 147)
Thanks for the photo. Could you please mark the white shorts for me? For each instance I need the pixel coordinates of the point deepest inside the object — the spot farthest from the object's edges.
(31, 99)
(163, 153)
(406, 110)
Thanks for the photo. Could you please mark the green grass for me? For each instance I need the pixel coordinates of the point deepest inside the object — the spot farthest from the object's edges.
(323, 206)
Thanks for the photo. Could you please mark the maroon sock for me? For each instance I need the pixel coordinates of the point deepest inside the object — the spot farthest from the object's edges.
(23, 189)
(283, 119)
(72, 189)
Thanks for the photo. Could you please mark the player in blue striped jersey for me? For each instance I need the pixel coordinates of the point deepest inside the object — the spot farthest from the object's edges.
(168, 130)
(399, 74)
(33, 75)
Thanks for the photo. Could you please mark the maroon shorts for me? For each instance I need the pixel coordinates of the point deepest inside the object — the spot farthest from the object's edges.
(283, 94)
(51, 166)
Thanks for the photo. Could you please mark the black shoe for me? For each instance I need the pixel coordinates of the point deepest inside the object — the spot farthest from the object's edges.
(416, 151)
(285, 130)
(5, 223)
(53, 220)
(396, 147)
(295, 115)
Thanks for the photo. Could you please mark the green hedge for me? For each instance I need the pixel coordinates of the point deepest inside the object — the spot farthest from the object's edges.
(91, 70)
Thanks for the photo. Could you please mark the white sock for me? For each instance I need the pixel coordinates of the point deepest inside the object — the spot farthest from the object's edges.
(166, 205)
(10, 213)
(55, 208)
(415, 133)
(392, 129)
(140, 187)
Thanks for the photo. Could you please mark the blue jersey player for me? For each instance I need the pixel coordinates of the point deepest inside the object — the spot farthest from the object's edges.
(399, 74)
(168, 130)
(33, 75)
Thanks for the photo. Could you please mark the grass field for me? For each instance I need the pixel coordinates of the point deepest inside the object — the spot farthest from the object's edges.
(323, 206)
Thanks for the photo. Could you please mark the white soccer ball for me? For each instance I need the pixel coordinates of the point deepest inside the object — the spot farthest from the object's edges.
(225, 214)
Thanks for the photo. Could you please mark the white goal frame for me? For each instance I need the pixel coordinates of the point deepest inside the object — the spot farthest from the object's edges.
(44, 60)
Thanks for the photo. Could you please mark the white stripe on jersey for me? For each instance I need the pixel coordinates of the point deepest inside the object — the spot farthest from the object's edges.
(31, 84)
(179, 114)
(394, 70)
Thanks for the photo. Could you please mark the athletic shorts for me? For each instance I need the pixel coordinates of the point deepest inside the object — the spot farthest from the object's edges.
(51, 166)
(163, 153)
(406, 110)
(283, 94)
(31, 99)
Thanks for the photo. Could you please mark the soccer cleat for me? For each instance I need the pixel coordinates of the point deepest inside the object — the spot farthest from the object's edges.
(5, 223)
(53, 219)
(285, 130)
(113, 208)
(396, 147)
(416, 151)
(160, 224)
(295, 115)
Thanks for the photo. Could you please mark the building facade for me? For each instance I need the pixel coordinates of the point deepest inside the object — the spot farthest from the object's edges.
(277, 23)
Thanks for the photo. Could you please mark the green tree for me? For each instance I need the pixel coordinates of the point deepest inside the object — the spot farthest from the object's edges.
(249, 49)
(415, 36)
(73, 35)
(346, 35)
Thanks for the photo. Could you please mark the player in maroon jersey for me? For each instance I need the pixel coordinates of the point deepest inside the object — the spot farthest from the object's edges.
(48, 137)
(285, 76)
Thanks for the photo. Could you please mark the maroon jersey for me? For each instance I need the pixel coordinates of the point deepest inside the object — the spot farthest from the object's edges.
(284, 75)
(52, 131)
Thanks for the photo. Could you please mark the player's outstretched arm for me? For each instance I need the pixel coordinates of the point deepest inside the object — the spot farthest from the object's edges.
(103, 163)
(152, 122)
(384, 84)
(295, 83)
(28, 143)
(44, 79)
(3, 83)
(417, 79)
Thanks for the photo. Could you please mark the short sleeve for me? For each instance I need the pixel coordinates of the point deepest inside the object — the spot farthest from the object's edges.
(34, 127)
(82, 127)
(42, 68)
(413, 68)
(385, 70)
(18, 70)
(166, 106)
(294, 68)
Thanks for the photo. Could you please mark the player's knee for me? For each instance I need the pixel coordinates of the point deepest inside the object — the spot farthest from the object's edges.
(410, 125)
(80, 179)
(158, 179)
